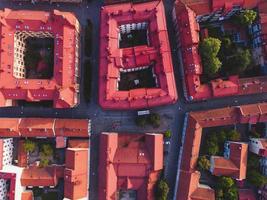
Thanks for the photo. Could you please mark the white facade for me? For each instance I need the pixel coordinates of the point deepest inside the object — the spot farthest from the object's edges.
(255, 145)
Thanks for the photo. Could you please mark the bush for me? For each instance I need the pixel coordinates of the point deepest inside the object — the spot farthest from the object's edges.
(203, 163)
(168, 134)
(162, 190)
(29, 146)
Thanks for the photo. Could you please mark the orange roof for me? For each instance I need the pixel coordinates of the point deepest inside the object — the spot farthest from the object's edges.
(113, 59)
(62, 88)
(222, 166)
(186, 12)
(196, 121)
(77, 143)
(27, 195)
(203, 193)
(44, 127)
(133, 161)
(76, 174)
(191, 189)
(35, 176)
(74, 127)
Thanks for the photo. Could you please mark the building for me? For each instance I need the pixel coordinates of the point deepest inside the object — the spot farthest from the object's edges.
(192, 134)
(58, 81)
(124, 1)
(246, 194)
(20, 171)
(129, 165)
(258, 146)
(234, 162)
(187, 16)
(263, 192)
(135, 59)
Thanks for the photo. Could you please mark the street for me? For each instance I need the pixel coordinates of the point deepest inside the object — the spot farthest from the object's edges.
(172, 115)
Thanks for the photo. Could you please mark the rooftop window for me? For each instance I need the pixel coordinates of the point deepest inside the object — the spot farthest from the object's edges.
(135, 34)
(34, 55)
(139, 77)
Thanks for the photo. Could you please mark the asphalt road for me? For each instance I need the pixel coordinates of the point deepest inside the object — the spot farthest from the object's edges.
(172, 115)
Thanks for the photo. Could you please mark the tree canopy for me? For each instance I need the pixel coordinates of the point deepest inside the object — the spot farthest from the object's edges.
(209, 49)
(29, 146)
(226, 189)
(203, 163)
(162, 190)
(247, 17)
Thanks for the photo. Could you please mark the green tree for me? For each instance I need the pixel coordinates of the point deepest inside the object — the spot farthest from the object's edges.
(44, 160)
(254, 134)
(47, 150)
(154, 120)
(255, 178)
(226, 189)
(168, 134)
(225, 182)
(233, 135)
(247, 17)
(203, 163)
(162, 190)
(231, 194)
(253, 162)
(29, 146)
(212, 148)
(140, 121)
(209, 49)
(238, 62)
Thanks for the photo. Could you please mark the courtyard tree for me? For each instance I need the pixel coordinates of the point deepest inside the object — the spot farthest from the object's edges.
(203, 163)
(29, 146)
(255, 178)
(247, 17)
(47, 150)
(233, 135)
(226, 189)
(44, 160)
(162, 190)
(239, 62)
(209, 49)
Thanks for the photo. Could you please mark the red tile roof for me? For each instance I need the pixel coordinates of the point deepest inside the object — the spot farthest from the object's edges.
(246, 194)
(185, 13)
(62, 88)
(129, 161)
(76, 173)
(113, 59)
(44, 127)
(196, 121)
(35, 176)
(27, 195)
(235, 166)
